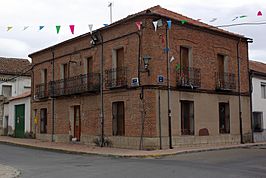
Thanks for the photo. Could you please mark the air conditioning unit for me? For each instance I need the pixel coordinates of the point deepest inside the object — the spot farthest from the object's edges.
(135, 82)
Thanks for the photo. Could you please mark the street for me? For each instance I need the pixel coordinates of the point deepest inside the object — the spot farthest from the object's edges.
(242, 162)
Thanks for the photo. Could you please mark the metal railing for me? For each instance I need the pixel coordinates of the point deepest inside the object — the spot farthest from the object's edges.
(225, 81)
(116, 77)
(75, 85)
(41, 91)
(188, 77)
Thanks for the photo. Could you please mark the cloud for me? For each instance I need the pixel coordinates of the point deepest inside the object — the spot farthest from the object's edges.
(13, 48)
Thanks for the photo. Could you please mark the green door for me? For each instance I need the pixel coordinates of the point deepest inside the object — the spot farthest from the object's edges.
(19, 120)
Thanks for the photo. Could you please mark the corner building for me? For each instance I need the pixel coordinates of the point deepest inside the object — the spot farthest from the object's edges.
(209, 96)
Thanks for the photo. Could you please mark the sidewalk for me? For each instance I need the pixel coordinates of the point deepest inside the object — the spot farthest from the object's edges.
(117, 152)
(8, 172)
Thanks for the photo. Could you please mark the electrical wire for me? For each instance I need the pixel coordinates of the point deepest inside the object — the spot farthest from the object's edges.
(240, 24)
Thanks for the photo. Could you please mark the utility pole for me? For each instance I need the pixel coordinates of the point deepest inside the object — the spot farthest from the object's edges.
(111, 13)
(169, 90)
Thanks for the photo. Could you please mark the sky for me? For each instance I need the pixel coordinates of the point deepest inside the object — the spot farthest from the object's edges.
(49, 13)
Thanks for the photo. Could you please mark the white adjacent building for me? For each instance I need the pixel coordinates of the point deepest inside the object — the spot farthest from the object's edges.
(258, 78)
(15, 87)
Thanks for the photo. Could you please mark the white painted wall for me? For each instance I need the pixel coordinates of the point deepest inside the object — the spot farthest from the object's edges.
(258, 103)
(19, 85)
(11, 112)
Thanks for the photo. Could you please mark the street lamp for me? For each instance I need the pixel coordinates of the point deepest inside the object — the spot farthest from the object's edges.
(146, 60)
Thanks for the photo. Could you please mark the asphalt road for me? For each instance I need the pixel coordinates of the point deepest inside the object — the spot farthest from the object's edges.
(244, 162)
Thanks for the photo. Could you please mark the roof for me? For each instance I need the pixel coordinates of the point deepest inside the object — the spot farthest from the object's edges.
(257, 66)
(23, 95)
(159, 11)
(14, 66)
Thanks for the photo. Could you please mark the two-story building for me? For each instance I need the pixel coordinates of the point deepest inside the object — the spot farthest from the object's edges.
(15, 80)
(258, 81)
(181, 83)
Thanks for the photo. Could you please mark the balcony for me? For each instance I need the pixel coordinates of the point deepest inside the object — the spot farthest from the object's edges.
(225, 81)
(75, 85)
(188, 77)
(116, 78)
(41, 91)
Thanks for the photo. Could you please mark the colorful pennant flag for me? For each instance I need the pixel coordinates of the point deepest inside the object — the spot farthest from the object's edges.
(41, 27)
(198, 19)
(242, 16)
(159, 23)
(25, 28)
(214, 19)
(138, 24)
(72, 28)
(9, 28)
(57, 28)
(105, 25)
(166, 50)
(155, 23)
(259, 13)
(169, 24)
(183, 21)
(90, 27)
(172, 59)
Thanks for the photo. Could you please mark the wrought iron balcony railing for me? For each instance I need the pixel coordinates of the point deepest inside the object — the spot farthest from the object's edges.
(116, 77)
(225, 81)
(41, 91)
(75, 85)
(188, 77)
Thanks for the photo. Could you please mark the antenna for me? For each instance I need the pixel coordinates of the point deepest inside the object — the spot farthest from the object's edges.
(111, 13)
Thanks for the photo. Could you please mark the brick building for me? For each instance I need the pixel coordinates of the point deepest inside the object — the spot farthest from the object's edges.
(204, 99)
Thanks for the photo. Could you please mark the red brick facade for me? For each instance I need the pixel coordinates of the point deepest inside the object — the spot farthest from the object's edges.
(205, 43)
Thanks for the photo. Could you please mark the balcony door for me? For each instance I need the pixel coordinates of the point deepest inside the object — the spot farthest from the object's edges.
(118, 65)
(184, 66)
(89, 72)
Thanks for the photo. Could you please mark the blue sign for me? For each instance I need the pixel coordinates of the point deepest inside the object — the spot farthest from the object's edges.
(160, 79)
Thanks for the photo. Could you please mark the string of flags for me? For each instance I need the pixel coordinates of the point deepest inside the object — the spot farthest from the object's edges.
(156, 24)
(58, 28)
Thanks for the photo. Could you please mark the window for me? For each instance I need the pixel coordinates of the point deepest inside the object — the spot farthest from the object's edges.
(7, 91)
(257, 121)
(118, 118)
(43, 126)
(263, 90)
(224, 118)
(187, 117)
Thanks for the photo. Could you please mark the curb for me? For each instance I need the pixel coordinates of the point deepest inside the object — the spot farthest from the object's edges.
(195, 150)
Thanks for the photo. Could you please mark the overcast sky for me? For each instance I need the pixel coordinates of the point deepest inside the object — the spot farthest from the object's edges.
(33, 13)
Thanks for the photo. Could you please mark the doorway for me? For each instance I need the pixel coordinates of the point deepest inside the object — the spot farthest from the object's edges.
(118, 118)
(19, 121)
(77, 123)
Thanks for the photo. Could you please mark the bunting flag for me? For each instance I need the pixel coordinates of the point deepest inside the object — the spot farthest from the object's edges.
(159, 23)
(72, 27)
(57, 28)
(214, 19)
(155, 23)
(183, 21)
(25, 28)
(166, 50)
(172, 59)
(198, 19)
(169, 24)
(242, 16)
(235, 18)
(105, 24)
(138, 24)
(41, 27)
(163, 40)
(9, 28)
(90, 27)
(259, 13)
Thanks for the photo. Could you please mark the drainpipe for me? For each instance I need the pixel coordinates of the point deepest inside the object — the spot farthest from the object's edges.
(101, 92)
(239, 93)
(169, 90)
(53, 112)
